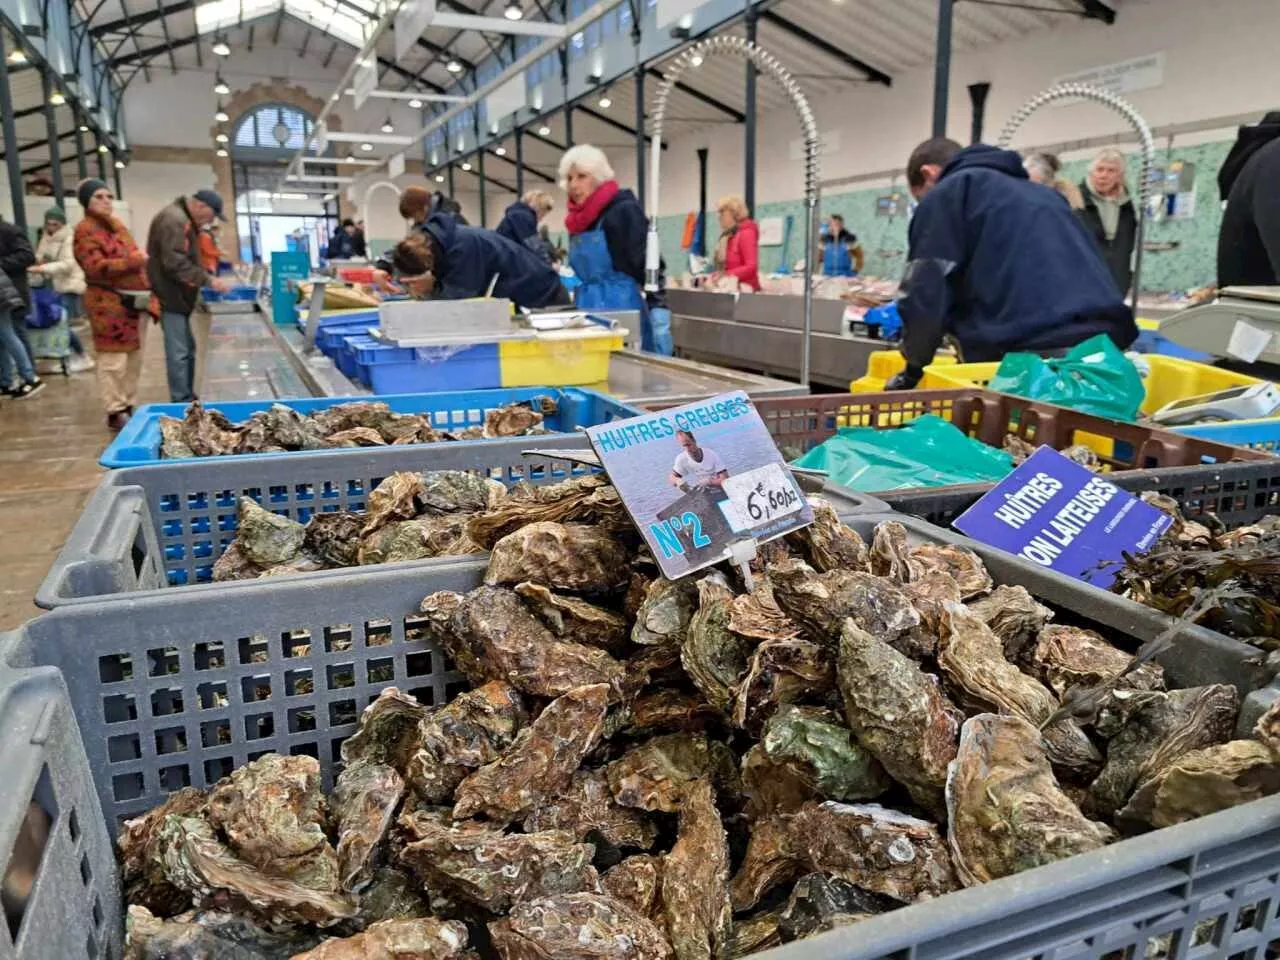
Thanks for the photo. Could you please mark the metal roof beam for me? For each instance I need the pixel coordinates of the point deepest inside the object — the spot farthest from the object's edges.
(610, 122)
(37, 144)
(1097, 10)
(476, 173)
(142, 18)
(737, 115)
(871, 73)
(540, 174)
(141, 56)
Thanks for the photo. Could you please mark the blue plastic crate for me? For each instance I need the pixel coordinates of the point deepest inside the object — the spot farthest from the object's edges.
(1260, 435)
(329, 339)
(1151, 341)
(139, 442)
(236, 293)
(388, 369)
(345, 355)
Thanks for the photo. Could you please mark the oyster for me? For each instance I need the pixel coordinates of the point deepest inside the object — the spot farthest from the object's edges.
(586, 808)
(472, 730)
(541, 761)
(589, 499)
(807, 754)
(820, 603)
(424, 938)
(713, 656)
(365, 799)
(491, 869)
(827, 543)
(782, 671)
(512, 420)
(456, 491)
(1070, 656)
(389, 731)
(143, 883)
(395, 498)
(575, 620)
(695, 880)
(819, 903)
(898, 713)
(757, 615)
(1005, 811)
(208, 936)
(929, 595)
(657, 774)
(491, 635)
(1205, 781)
(173, 440)
(392, 894)
(266, 538)
(355, 437)
(637, 882)
(668, 710)
(664, 614)
(561, 556)
(1160, 732)
(578, 926)
(890, 554)
(234, 564)
(960, 563)
(1015, 617)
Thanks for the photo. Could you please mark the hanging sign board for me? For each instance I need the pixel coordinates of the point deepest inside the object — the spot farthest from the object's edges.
(395, 166)
(366, 80)
(506, 99)
(701, 480)
(1140, 73)
(1057, 514)
(412, 20)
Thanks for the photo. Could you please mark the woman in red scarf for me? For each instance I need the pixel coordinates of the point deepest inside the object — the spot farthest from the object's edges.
(738, 252)
(607, 230)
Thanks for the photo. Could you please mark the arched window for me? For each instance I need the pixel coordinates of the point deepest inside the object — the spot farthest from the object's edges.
(273, 126)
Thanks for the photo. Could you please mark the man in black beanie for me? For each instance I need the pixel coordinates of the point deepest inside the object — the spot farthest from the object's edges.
(1249, 239)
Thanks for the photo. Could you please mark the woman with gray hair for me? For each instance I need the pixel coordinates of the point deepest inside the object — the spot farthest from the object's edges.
(1109, 214)
(607, 229)
(1046, 169)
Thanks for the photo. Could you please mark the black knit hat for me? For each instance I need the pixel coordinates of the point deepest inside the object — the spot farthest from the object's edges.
(86, 190)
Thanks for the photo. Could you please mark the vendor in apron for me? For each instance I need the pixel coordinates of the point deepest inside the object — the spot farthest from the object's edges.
(607, 229)
(840, 251)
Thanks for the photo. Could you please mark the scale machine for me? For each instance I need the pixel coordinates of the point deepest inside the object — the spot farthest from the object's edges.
(1242, 323)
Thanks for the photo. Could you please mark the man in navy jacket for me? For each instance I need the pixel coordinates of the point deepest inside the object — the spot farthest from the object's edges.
(998, 262)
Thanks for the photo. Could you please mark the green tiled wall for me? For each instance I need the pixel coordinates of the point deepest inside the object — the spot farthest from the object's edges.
(1192, 264)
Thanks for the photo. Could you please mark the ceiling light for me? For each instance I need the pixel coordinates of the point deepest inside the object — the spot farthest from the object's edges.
(439, 178)
(119, 164)
(415, 104)
(57, 99)
(221, 48)
(605, 103)
(103, 148)
(221, 152)
(544, 131)
(221, 115)
(513, 11)
(17, 56)
(220, 86)
(501, 151)
(466, 167)
(84, 128)
(221, 138)
(366, 147)
(453, 66)
(334, 98)
(695, 60)
(388, 127)
(328, 197)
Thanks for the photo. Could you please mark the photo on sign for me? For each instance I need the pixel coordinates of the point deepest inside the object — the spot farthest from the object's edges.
(699, 478)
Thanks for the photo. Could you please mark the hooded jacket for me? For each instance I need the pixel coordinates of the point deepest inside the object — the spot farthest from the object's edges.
(1118, 251)
(1003, 264)
(56, 255)
(518, 223)
(471, 257)
(16, 255)
(1249, 240)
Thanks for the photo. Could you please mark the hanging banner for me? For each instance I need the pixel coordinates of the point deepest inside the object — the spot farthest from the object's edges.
(1140, 73)
(411, 21)
(395, 166)
(366, 80)
(507, 99)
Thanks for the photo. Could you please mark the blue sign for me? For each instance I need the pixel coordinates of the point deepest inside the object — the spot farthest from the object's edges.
(1057, 514)
(285, 267)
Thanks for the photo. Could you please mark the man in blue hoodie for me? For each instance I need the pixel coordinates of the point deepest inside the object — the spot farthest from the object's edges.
(998, 262)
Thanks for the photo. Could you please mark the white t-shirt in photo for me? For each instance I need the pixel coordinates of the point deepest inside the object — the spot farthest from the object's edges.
(686, 468)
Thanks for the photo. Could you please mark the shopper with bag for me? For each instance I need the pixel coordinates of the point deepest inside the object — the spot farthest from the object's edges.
(56, 271)
(117, 298)
(16, 256)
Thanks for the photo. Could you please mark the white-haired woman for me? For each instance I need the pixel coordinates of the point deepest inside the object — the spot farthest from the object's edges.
(1109, 214)
(607, 229)
(1046, 169)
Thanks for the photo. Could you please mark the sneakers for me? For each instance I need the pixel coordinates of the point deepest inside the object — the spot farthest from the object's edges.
(24, 390)
(81, 363)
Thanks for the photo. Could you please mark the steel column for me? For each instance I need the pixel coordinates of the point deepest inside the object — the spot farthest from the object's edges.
(82, 165)
(519, 134)
(51, 130)
(701, 239)
(639, 93)
(484, 216)
(11, 157)
(942, 67)
(102, 157)
(749, 108)
(449, 184)
(978, 98)
(116, 171)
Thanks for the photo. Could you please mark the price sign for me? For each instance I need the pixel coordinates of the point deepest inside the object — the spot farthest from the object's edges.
(701, 480)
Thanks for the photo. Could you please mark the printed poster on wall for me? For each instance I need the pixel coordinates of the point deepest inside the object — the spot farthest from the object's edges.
(699, 478)
(1140, 73)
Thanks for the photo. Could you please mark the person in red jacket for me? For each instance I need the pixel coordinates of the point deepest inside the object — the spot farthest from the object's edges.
(738, 252)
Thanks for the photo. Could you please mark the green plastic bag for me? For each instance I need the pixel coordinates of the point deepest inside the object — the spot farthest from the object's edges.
(867, 459)
(1094, 377)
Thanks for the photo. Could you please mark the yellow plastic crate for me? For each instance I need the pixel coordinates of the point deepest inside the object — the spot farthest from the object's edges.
(560, 358)
(884, 365)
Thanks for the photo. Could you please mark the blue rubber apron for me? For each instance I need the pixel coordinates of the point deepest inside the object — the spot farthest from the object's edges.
(603, 287)
(836, 261)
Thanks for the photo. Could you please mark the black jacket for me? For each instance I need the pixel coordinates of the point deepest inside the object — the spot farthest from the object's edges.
(1249, 241)
(518, 223)
(16, 254)
(341, 246)
(1118, 251)
(625, 230)
(359, 246)
(1002, 264)
(472, 256)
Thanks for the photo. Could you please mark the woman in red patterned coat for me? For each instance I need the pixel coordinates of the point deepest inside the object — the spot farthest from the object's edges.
(116, 298)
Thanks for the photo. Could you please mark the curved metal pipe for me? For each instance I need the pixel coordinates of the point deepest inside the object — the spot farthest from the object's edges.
(1082, 91)
(767, 64)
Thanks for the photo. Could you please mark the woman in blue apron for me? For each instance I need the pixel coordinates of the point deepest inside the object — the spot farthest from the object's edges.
(607, 230)
(840, 250)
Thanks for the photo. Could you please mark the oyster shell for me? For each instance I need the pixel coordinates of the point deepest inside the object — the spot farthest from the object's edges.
(333, 538)
(827, 543)
(561, 556)
(1015, 617)
(425, 938)
(577, 621)
(586, 808)
(472, 730)
(820, 603)
(778, 672)
(656, 774)
(664, 614)
(714, 657)
(1069, 656)
(695, 880)
(578, 926)
(960, 563)
(365, 799)
(266, 538)
(890, 554)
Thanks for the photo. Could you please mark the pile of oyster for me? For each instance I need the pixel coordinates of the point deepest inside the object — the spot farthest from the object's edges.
(208, 433)
(645, 769)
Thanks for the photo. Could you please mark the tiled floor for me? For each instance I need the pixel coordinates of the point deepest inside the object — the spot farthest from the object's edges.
(49, 444)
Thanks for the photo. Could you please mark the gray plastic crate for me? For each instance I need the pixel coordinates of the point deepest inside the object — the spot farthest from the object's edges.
(162, 527)
(168, 694)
